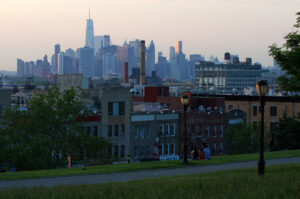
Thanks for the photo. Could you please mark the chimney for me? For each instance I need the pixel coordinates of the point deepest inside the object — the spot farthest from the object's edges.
(142, 64)
(125, 72)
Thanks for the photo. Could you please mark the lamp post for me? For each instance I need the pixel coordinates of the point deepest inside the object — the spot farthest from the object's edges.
(262, 89)
(185, 102)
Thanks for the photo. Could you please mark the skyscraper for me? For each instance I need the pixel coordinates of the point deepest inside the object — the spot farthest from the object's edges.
(89, 36)
(178, 47)
(20, 67)
(55, 58)
(150, 59)
(87, 62)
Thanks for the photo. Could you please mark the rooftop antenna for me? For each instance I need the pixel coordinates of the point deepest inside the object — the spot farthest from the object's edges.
(89, 12)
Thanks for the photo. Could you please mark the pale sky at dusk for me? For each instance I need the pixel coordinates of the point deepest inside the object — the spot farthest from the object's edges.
(29, 29)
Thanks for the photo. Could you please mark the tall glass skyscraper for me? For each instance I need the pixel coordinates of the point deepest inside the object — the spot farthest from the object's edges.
(89, 36)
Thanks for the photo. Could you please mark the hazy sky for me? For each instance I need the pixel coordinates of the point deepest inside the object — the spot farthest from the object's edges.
(30, 28)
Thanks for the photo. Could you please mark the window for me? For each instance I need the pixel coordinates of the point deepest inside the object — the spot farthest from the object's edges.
(161, 129)
(116, 151)
(110, 108)
(116, 130)
(215, 131)
(149, 132)
(192, 130)
(88, 130)
(122, 130)
(147, 149)
(172, 149)
(221, 130)
(136, 151)
(122, 152)
(142, 151)
(121, 108)
(273, 111)
(221, 147)
(173, 129)
(167, 129)
(207, 131)
(214, 148)
(254, 110)
(136, 132)
(167, 149)
(273, 126)
(161, 149)
(142, 129)
(115, 108)
(95, 130)
(109, 131)
(230, 107)
(200, 131)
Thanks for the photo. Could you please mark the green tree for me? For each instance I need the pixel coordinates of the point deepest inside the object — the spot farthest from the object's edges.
(287, 134)
(48, 132)
(241, 138)
(288, 58)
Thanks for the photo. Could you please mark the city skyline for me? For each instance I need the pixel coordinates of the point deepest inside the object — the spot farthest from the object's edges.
(205, 27)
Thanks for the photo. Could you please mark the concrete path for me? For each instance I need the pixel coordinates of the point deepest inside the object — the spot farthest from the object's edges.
(137, 175)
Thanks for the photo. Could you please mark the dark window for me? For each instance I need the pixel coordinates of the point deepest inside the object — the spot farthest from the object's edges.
(122, 130)
(88, 130)
(273, 126)
(200, 131)
(254, 110)
(122, 152)
(116, 151)
(230, 106)
(136, 151)
(116, 130)
(142, 151)
(121, 108)
(110, 108)
(109, 131)
(192, 130)
(95, 130)
(161, 129)
(273, 111)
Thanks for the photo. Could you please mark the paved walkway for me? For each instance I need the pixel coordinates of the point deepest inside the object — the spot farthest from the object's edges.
(137, 175)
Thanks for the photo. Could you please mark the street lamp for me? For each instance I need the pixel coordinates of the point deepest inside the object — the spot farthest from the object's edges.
(185, 103)
(262, 89)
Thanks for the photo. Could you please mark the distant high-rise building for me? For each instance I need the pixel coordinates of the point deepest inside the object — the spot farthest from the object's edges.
(162, 66)
(101, 42)
(65, 64)
(193, 59)
(150, 59)
(89, 35)
(172, 53)
(54, 60)
(57, 49)
(178, 47)
(87, 62)
(70, 52)
(20, 67)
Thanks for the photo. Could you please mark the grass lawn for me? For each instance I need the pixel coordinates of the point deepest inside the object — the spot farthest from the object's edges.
(142, 166)
(278, 182)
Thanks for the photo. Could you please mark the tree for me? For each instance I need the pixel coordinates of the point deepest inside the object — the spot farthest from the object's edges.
(288, 59)
(287, 133)
(48, 132)
(241, 138)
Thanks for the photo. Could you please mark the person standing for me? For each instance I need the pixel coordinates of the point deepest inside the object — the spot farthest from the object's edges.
(206, 151)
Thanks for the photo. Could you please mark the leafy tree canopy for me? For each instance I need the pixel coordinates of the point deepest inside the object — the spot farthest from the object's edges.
(48, 132)
(288, 59)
